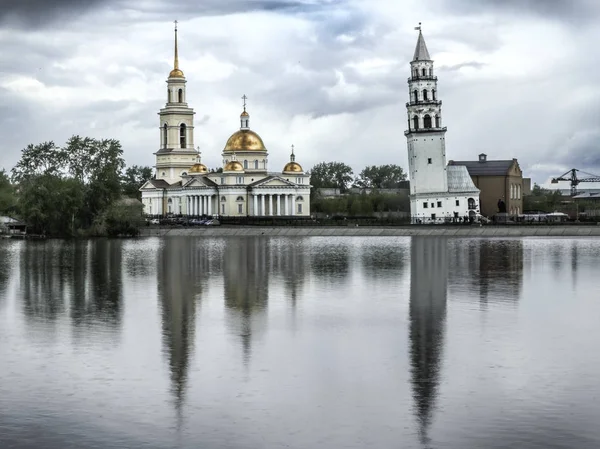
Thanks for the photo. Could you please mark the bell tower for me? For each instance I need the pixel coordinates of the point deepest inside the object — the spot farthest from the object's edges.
(176, 153)
(425, 133)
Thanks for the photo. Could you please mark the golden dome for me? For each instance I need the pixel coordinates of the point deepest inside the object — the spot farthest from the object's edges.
(244, 140)
(198, 168)
(176, 73)
(233, 166)
(245, 114)
(294, 167)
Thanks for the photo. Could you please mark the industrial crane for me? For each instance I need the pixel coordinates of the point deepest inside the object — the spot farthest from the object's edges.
(571, 176)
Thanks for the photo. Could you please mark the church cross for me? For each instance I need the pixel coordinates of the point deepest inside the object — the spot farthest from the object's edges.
(176, 22)
(244, 98)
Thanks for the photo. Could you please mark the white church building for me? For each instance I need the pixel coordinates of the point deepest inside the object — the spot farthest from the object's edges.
(438, 192)
(182, 185)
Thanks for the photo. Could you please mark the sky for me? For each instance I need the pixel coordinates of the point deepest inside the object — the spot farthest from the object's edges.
(518, 78)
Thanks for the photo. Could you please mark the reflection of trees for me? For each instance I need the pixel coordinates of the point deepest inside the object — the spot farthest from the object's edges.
(429, 280)
(330, 260)
(246, 287)
(5, 268)
(182, 268)
(383, 260)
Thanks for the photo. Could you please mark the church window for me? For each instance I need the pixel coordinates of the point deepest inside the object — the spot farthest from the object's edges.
(429, 160)
(222, 180)
(256, 165)
(240, 179)
(416, 122)
(425, 98)
(439, 204)
(240, 208)
(299, 198)
(457, 202)
(471, 203)
(183, 173)
(223, 199)
(416, 95)
(433, 97)
(430, 72)
(180, 93)
(427, 121)
(432, 205)
(245, 164)
(424, 72)
(240, 198)
(163, 173)
(425, 205)
(165, 135)
(222, 209)
(182, 136)
(169, 96)
(299, 208)
(433, 216)
(437, 121)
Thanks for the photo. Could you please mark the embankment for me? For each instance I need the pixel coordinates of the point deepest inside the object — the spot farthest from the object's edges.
(454, 231)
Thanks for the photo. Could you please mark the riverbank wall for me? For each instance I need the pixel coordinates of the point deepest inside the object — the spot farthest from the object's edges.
(454, 231)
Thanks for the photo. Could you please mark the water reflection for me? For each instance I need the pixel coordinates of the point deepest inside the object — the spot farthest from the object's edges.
(331, 260)
(5, 268)
(383, 260)
(289, 260)
(183, 266)
(246, 288)
(429, 281)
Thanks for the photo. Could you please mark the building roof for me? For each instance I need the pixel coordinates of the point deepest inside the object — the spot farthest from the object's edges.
(421, 52)
(159, 183)
(587, 195)
(459, 179)
(487, 168)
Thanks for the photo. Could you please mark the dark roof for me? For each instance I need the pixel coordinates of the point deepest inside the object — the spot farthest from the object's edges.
(487, 168)
(421, 52)
(159, 183)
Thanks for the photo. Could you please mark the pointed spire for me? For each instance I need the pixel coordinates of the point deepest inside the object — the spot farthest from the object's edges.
(421, 52)
(176, 72)
(292, 156)
(244, 117)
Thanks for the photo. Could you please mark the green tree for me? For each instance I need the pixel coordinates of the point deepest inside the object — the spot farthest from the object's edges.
(133, 179)
(42, 159)
(8, 198)
(331, 175)
(381, 177)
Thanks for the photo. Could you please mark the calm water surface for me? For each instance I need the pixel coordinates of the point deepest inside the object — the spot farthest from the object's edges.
(300, 343)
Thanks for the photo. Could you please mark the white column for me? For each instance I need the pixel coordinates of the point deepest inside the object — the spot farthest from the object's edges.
(286, 202)
(270, 204)
(209, 201)
(293, 204)
(262, 205)
(255, 199)
(187, 204)
(278, 205)
(194, 206)
(203, 205)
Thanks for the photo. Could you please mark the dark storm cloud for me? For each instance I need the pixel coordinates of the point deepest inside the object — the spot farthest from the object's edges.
(37, 13)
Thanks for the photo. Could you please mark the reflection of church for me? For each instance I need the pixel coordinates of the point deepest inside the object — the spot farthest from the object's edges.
(428, 292)
(183, 185)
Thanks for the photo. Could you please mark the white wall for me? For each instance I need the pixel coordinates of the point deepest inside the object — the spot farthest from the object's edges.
(426, 177)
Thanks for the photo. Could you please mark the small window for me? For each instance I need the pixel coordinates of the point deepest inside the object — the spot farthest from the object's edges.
(427, 121)
(424, 72)
(299, 208)
(222, 209)
(457, 202)
(245, 164)
(222, 180)
(425, 205)
(183, 136)
(439, 203)
(223, 199)
(299, 198)
(164, 174)
(432, 205)
(183, 173)
(255, 165)
(429, 160)
(425, 95)
(240, 208)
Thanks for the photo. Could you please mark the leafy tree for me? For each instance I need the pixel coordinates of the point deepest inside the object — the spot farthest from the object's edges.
(124, 217)
(133, 179)
(331, 175)
(7, 194)
(216, 170)
(381, 177)
(42, 159)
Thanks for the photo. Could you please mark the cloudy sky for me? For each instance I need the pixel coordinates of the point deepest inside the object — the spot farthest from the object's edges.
(518, 78)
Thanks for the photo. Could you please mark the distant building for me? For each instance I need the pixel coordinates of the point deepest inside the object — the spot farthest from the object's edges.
(496, 180)
(437, 192)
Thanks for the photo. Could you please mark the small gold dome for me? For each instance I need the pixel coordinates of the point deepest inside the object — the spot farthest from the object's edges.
(293, 167)
(176, 73)
(198, 168)
(244, 140)
(245, 114)
(233, 166)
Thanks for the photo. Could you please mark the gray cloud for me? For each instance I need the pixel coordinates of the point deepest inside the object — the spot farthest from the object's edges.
(37, 13)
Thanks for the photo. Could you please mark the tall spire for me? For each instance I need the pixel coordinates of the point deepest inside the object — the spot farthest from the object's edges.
(176, 73)
(245, 117)
(421, 52)
(292, 156)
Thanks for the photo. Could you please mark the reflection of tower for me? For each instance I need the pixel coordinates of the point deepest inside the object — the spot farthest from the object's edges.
(500, 269)
(181, 267)
(246, 287)
(289, 260)
(429, 280)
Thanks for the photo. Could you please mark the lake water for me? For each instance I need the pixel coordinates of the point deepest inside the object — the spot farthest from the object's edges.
(300, 343)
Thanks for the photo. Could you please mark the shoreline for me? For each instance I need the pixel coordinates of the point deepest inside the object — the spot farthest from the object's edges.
(370, 231)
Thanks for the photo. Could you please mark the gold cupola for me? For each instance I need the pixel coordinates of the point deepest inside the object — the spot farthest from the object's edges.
(292, 166)
(176, 72)
(198, 167)
(245, 139)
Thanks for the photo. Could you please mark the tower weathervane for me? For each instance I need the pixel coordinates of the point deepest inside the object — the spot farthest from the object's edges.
(244, 98)
(419, 27)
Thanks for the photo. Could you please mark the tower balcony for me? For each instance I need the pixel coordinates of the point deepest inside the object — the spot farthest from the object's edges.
(425, 130)
(424, 102)
(422, 78)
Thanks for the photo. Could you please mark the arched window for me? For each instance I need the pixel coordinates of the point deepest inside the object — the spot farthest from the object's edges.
(182, 136)
(416, 122)
(240, 198)
(430, 72)
(471, 203)
(169, 96)
(427, 121)
(223, 199)
(165, 135)
(184, 173)
(180, 95)
(437, 121)
(255, 165)
(433, 95)
(245, 164)
(299, 198)
(423, 72)
(416, 95)
(425, 97)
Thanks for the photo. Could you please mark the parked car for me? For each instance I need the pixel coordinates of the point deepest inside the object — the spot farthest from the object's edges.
(155, 221)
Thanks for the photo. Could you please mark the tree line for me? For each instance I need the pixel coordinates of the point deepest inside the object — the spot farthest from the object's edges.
(74, 189)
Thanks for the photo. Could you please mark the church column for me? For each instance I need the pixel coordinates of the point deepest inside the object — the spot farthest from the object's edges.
(278, 205)
(209, 201)
(255, 199)
(262, 205)
(271, 205)
(286, 202)
(187, 205)
(293, 199)
(203, 205)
